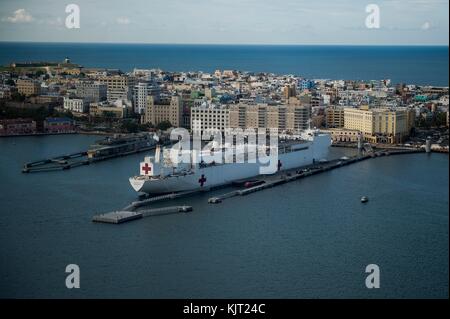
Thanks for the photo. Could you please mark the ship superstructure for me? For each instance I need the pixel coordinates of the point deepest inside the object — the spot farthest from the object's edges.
(159, 174)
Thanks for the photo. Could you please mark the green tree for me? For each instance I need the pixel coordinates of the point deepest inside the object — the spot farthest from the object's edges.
(130, 126)
(145, 126)
(18, 97)
(39, 73)
(164, 125)
(109, 115)
(439, 119)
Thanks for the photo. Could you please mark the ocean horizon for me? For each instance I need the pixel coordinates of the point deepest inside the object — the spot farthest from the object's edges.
(414, 64)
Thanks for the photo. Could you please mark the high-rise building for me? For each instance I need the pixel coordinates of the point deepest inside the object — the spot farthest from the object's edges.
(289, 91)
(141, 92)
(290, 117)
(334, 117)
(119, 86)
(91, 91)
(210, 116)
(162, 110)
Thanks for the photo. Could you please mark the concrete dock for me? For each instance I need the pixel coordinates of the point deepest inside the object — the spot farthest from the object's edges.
(119, 217)
(65, 162)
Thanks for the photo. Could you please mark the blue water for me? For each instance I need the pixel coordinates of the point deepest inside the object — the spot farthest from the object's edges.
(311, 238)
(423, 65)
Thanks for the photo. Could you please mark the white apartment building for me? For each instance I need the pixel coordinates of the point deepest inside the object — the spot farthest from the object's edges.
(76, 105)
(141, 92)
(210, 116)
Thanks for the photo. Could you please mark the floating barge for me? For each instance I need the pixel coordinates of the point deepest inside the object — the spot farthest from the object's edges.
(107, 148)
(119, 217)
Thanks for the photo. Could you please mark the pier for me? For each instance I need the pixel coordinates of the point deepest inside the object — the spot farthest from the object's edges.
(131, 211)
(56, 163)
(302, 172)
(108, 148)
(65, 162)
(119, 217)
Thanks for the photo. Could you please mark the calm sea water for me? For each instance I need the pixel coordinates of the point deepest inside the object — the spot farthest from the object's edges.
(307, 239)
(424, 65)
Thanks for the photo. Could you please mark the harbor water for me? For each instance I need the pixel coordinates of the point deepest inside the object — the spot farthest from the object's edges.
(311, 238)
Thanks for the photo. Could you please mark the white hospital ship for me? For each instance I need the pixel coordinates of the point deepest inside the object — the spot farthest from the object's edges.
(160, 176)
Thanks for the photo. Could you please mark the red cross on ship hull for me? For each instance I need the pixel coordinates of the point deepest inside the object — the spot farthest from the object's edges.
(146, 168)
(202, 180)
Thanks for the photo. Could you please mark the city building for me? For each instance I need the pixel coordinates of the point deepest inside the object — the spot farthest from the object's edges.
(17, 127)
(54, 100)
(380, 125)
(343, 135)
(306, 84)
(163, 110)
(91, 91)
(58, 125)
(78, 105)
(289, 91)
(119, 86)
(210, 116)
(291, 117)
(210, 93)
(5, 92)
(334, 117)
(118, 109)
(28, 87)
(141, 92)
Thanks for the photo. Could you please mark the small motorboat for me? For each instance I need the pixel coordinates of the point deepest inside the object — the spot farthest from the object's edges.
(364, 199)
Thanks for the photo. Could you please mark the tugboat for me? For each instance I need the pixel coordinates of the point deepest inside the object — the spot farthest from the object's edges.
(364, 199)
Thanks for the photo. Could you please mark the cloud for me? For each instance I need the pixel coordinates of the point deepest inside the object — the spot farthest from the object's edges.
(55, 22)
(425, 26)
(20, 16)
(123, 20)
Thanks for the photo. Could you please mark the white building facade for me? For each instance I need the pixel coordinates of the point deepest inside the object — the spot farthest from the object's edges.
(210, 116)
(76, 105)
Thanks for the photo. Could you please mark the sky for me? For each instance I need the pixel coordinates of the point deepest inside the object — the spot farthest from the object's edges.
(323, 22)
